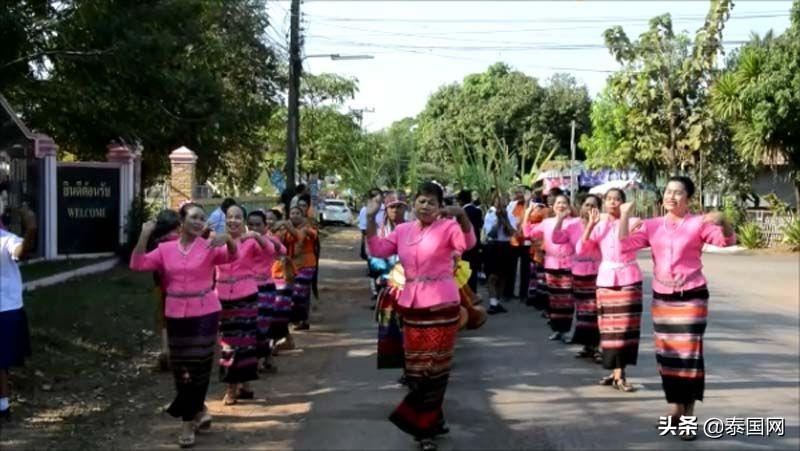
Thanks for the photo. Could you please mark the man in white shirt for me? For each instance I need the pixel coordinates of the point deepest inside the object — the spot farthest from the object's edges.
(14, 337)
(362, 225)
(216, 220)
(498, 230)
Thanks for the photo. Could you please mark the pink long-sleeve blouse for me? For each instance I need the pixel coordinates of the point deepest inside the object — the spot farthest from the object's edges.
(262, 264)
(585, 264)
(556, 256)
(187, 275)
(677, 250)
(617, 268)
(236, 280)
(427, 258)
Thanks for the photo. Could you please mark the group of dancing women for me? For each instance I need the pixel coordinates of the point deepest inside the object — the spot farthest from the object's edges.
(239, 286)
(586, 269)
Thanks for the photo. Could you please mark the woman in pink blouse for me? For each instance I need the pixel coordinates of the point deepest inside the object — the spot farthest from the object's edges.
(429, 304)
(192, 309)
(584, 279)
(557, 266)
(680, 295)
(619, 291)
(262, 267)
(238, 292)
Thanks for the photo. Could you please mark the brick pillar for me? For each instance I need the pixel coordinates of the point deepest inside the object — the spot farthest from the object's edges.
(182, 180)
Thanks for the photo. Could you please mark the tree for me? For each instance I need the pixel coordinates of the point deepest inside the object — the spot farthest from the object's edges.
(659, 97)
(163, 74)
(501, 104)
(760, 98)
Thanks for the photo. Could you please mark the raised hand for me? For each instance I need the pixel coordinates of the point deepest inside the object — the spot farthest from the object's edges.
(148, 227)
(594, 216)
(374, 206)
(627, 208)
(219, 240)
(714, 217)
(452, 211)
(563, 214)
(250, 235)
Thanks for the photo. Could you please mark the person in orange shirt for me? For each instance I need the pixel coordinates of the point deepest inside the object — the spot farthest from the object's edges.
(520, 247)
(299, 239)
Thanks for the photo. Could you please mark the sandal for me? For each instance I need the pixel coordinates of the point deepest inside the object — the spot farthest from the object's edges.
(584, 353)
(228, 400)
(427, 444)
(202, 422)
(598, 358)
(623, 386)
(186, 441)
(608, 380)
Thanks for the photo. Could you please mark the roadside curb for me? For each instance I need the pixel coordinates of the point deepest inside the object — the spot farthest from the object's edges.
(65, 276)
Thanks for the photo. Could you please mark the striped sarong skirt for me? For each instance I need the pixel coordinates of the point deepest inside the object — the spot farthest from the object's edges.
(584, 290)
(238, 329)
(429, 337)
(266, 308)
(390, 332)
(679, 322)
(561, 305)
(281, 310)
(541, 300)
(619, 318)
(537, 287)
(191, 355)
(301, 294)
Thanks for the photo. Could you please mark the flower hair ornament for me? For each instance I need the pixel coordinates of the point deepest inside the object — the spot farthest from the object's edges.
(187, 201)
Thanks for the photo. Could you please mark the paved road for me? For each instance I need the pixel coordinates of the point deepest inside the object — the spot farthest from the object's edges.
(510, 387)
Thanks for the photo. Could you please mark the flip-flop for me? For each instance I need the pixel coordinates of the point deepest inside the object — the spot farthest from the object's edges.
(608, 380)
(186, 441)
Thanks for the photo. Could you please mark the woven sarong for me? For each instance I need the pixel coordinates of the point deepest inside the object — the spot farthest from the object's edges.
(561, 305)
(584, 290)
(191, 356)
(238, 326)
(429, 336)
(619, 318)
(679, 322)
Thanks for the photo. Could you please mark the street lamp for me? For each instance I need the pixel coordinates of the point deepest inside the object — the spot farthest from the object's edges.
(293, 120)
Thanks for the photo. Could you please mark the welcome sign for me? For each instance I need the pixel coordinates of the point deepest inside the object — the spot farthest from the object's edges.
(88, 209)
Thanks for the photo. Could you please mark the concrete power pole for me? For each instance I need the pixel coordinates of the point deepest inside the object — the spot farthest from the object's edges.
(572, 185)
(293, 122)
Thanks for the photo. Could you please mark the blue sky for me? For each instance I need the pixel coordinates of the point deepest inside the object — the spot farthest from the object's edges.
(419, 46)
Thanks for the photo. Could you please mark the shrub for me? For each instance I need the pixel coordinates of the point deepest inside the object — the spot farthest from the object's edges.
(791, 233)
(750, 235)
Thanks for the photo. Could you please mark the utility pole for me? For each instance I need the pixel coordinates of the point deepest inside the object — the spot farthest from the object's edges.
(293, 122)
(572, 184)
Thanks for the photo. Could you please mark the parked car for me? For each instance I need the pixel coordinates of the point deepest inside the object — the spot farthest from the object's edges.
(336, 211)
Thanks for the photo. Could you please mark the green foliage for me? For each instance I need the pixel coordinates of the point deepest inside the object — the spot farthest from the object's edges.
(160, 73)
(750, 235)
(776, 205)
(503, 104)
(654, 113)
(733, 211)
(760, 98)
(791, 233)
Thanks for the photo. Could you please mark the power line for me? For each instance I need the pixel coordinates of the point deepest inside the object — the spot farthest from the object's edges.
(763, 15)
(523, 47)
